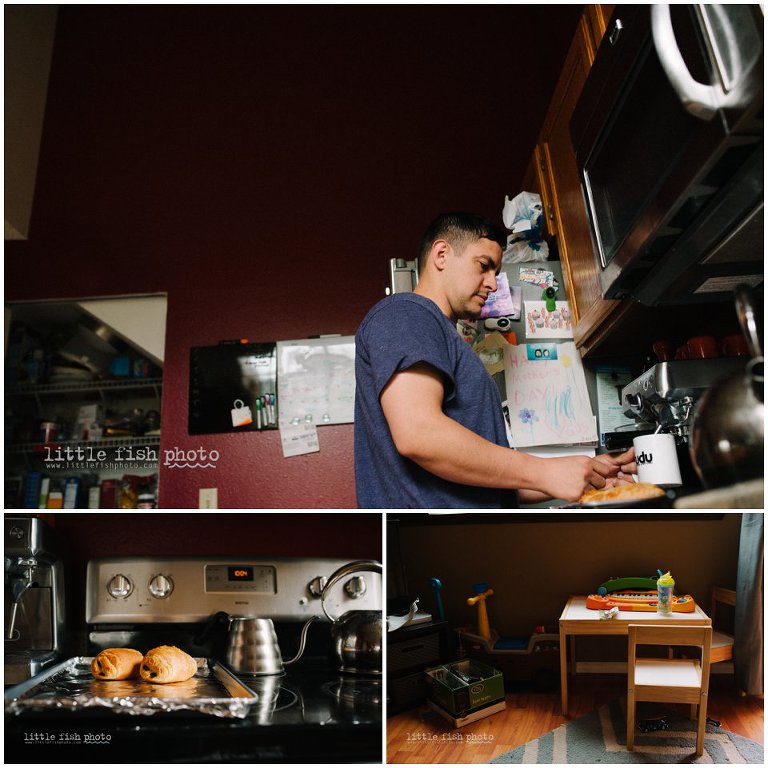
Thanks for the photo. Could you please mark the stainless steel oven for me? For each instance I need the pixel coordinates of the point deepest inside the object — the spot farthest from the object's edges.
(668, 135)
(310, 712)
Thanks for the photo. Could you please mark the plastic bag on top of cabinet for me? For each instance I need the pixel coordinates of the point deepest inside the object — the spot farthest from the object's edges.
(522, 215)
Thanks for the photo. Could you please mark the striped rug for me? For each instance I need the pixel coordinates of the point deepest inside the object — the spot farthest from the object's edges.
(600, 737)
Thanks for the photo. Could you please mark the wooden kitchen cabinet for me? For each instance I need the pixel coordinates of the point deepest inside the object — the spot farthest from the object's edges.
(594, 21)
(554, 152)
(552, 172)
(558, 179)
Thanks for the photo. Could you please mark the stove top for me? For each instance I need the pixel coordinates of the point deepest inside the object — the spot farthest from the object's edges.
(311, 695)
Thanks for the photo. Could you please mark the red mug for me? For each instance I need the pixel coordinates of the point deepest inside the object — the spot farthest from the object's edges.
(703, 347)
(735, 346)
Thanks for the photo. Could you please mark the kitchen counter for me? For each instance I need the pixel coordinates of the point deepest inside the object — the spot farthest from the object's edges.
(746, 495)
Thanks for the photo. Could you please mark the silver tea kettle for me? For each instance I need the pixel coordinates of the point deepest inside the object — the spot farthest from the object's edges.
(252, 647)
(356, 636)
(727, 435)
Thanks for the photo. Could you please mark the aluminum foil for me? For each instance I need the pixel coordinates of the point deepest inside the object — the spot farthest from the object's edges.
(70, 686)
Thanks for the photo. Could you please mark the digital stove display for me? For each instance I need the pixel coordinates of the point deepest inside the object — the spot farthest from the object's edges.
(259, 579)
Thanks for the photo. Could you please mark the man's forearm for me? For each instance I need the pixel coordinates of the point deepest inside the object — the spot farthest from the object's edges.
(412, 405)
(445, 448)
(527, 496)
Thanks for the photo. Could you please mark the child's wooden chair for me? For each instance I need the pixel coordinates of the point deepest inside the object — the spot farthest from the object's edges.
(684, 681)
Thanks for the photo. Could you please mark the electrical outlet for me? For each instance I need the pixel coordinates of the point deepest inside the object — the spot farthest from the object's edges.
(209, 498)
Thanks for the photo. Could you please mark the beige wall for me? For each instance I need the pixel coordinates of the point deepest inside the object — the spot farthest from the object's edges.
(533, 567)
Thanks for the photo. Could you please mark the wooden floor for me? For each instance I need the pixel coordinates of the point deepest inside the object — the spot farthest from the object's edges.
(423, 736)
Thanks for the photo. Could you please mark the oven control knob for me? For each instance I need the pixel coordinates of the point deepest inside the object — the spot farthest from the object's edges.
(160, 586)
(317, 585)
(356, 587)
(119, 586)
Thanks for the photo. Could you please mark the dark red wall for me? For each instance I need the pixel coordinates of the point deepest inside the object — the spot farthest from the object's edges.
(261, 165)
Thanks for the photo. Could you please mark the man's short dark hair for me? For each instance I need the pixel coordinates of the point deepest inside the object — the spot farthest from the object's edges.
(460, 230)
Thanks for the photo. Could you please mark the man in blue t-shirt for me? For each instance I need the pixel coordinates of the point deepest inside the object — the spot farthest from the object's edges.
(429, 427)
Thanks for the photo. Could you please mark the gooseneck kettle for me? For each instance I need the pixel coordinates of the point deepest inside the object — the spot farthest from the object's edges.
(252, 646)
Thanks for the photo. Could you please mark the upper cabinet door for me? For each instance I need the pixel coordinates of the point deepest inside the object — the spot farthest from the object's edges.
(560, 187)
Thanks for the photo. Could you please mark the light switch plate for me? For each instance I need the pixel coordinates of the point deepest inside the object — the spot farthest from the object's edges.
(209, 498)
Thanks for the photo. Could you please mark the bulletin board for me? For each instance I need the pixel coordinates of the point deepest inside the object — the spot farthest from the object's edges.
(317, 380)
(230, 386)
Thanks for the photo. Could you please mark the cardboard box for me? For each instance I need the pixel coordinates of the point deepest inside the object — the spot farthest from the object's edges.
(465, 686)
(535, 661)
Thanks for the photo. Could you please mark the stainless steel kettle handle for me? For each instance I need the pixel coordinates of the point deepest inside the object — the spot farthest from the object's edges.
(358, 565)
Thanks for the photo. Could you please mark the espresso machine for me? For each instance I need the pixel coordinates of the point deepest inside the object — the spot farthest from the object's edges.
(665, 396)
(34, 598)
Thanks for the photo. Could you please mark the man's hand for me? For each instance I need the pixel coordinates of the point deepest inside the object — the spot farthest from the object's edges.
(620, 468)
(569, 476)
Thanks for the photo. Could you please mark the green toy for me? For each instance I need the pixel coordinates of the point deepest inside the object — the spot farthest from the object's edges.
(626, 582)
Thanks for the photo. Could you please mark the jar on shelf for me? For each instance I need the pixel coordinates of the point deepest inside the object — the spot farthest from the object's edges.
(48, 431)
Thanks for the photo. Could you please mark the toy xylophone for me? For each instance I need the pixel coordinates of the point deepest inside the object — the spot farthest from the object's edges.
(640, 600)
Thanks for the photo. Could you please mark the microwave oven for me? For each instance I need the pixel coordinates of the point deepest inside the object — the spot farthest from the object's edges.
(668, 136)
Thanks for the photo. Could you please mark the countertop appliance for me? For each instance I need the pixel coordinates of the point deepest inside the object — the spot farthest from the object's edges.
(665, 396)
(668, 134)
(34, 597)
(312, 713)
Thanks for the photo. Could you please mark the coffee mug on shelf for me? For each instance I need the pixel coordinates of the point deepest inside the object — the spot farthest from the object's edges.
(656, 458)
(702, 347)
(735, 346)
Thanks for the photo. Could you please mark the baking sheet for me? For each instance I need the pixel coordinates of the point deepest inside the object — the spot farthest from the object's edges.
(70, 686)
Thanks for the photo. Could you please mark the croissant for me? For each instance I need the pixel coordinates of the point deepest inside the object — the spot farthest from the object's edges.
(622, 493)
(116, 664)
(167, 664)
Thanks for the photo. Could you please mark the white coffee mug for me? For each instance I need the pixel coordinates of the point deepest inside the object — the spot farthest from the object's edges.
(656, 458)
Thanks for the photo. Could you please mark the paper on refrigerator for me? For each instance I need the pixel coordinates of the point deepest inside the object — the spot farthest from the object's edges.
(316, 380)
(547, 395)
(543, 324)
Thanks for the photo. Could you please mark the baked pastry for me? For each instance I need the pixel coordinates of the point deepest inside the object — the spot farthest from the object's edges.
(116, 664)
(622, 493)
(167, 664)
